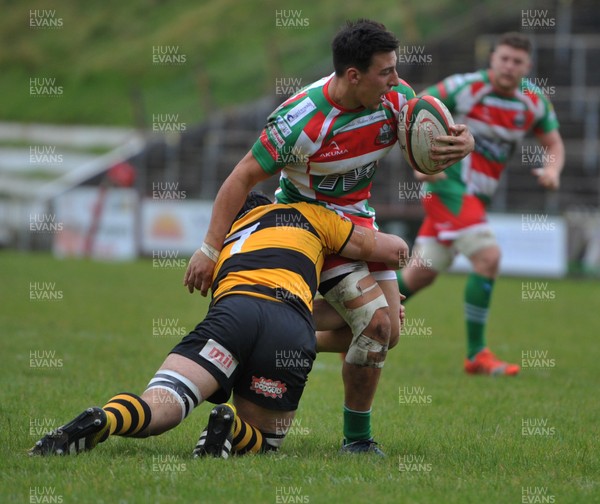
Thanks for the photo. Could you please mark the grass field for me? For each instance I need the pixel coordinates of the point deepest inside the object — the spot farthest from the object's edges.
(450, 438)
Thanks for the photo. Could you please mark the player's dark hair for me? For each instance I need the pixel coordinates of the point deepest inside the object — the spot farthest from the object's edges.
(253, 200)
(357, 42)
(516, 40)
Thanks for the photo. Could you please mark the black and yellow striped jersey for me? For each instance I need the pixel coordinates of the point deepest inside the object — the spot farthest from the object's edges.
(277, 252)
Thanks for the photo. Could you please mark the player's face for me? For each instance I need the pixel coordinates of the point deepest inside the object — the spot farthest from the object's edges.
(509, 65)
(377, 80)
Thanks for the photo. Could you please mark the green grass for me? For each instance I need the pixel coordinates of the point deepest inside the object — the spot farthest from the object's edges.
(468, 439)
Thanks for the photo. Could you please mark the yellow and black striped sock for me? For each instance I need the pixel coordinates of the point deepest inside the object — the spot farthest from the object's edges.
(246, 438)
(128, 414)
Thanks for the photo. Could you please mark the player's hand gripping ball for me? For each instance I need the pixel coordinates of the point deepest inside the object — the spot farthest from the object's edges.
(421, 120)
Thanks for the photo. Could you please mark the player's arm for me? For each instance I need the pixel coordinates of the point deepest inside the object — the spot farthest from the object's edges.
(369, 245)
(549, 175)
(230, 198)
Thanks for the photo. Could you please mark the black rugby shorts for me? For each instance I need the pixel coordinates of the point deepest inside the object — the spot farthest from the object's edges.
(262, 350)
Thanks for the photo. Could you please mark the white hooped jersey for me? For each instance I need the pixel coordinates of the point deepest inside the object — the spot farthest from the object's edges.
(497, 122)
(327, 154)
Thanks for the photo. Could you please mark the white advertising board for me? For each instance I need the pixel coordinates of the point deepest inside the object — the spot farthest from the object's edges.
(174, 225)
(531, 244)
(96, 222)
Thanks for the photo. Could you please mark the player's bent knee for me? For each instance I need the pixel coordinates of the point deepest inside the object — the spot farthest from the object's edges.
(428, 276)
(380, 326)
(494, 255)
(359, 299)
(394, 339)
(487, 261)
(176, 390)
(258, 429)
(369, 348)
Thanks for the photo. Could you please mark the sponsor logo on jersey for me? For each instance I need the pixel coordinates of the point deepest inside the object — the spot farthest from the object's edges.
(275, 136)
(495, 150)
(219, 356)
(267, 387)
(386, 135)
(283, 127)
(334, 152)
(348, 180)
(300, 111)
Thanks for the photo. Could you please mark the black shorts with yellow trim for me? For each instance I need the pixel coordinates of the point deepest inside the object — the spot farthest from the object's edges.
(261, 350)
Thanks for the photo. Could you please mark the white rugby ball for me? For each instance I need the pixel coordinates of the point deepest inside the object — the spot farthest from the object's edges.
(421, 120)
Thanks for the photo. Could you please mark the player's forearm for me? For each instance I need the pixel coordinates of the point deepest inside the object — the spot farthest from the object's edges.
(549, 175)
(231, 197)
(369, 245)
(228, 202)
(391, 250)
(556, 158)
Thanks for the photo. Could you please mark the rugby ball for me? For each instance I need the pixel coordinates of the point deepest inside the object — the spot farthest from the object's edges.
(421, 120)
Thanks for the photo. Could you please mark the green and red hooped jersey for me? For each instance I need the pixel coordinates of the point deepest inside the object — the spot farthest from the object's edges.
(497, 122)
(326, 154)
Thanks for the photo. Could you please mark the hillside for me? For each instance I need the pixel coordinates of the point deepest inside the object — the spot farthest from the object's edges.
(118, 63)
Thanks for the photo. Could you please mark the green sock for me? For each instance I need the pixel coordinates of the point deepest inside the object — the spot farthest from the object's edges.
(357, 425)
(478, 293)
(402, 286)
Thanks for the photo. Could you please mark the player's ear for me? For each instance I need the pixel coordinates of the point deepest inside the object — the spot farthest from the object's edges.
(353, 75)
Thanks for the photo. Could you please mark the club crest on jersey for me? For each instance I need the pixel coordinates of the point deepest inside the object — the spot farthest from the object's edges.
(219, 356)
(386, 135)
(267, 387)
(519, 120)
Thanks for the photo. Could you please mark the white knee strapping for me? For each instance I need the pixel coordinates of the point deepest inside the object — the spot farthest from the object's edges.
(181, 388)
(361, 347)
(358, 318)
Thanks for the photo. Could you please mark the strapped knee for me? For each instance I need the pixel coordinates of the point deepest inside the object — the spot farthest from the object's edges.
(181, 389)
(363, 350)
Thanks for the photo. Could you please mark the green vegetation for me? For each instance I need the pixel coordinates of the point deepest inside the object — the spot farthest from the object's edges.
(102, 54)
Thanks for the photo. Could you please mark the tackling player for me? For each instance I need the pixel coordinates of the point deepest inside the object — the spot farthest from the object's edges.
(499, 106)
(324, 143)
(265, 280)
